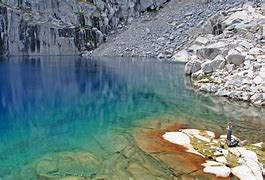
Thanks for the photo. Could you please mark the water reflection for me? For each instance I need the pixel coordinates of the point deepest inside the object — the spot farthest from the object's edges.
(49, 104)
(233, 110)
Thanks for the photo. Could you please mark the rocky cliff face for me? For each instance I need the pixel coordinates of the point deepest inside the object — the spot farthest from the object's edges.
(63, 27)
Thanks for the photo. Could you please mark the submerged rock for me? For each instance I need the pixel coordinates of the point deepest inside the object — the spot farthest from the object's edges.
(81, 164)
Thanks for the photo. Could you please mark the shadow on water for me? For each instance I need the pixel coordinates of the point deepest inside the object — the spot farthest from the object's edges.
(53, 104)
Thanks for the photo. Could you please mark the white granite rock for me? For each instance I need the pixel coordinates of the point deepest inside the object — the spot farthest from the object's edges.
(258, 80)
(201, 40)
(212, 163)
(182, 56)
(221, 159)
(258, 144)
(243, 152)
(177, 138)
(202, 138)
(243, 172)
(246, 44)
(182, 139)
(191, 132)
(219, 171)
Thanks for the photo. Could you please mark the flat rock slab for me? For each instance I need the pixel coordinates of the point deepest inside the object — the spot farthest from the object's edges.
(219, 171)
(177, 138)
(243, 172)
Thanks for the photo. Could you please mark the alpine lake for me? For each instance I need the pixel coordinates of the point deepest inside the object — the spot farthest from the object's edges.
(86, 118)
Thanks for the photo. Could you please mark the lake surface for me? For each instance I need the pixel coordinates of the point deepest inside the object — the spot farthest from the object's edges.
(58, 104)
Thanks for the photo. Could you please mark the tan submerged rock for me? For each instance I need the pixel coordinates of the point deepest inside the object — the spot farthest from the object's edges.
(76, 165)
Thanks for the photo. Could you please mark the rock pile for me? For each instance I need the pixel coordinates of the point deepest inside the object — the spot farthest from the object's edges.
(243, 162)
(160, 33)
(229, 59)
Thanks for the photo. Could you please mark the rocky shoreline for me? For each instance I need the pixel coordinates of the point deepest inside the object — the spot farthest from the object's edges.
(223, 47)
(243, 162)
(231, 61)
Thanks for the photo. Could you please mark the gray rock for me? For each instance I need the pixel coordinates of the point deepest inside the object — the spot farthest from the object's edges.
(182, 56)
(258, 80)
(246, 44)
(160, 56)
(210, 66)
(211, 51)
(201, 41)
(198, 75)
(244, 143)
(207, 67)
(218, 62)
(235, 57)
(223, 92)
(208, 53)
(192, 67)
(256, 97)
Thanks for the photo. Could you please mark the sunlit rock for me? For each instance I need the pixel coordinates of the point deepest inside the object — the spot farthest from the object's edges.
(243, 172)
(180, 138)
(182, 56)
(219, 171)
(177, 138)
(221, 159)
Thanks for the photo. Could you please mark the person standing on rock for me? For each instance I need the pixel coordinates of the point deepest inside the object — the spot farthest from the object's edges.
(229, 133)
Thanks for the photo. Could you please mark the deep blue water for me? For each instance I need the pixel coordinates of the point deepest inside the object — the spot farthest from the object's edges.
(50, 104)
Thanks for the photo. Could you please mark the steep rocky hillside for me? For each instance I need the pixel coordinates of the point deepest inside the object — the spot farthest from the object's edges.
(159, 34)
(60, 27)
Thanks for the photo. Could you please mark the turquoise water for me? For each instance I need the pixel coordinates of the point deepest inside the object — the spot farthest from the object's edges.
(52, 104)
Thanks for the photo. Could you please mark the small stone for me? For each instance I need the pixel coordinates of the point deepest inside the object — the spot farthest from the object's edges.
(217, 153)
(258, 80)
(249, 58)
(255, 51)
(148, 31)
(201, 41)
(246, 45)
(221, 159)
(188, 14)
(230, 67)
(160, 56)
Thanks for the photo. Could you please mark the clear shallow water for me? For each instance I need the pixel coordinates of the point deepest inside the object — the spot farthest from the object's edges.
(52, 104)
